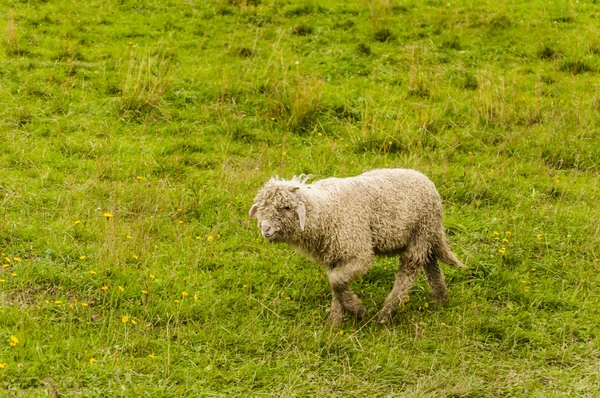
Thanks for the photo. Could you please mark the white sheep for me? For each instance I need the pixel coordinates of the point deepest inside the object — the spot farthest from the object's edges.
(342, 223)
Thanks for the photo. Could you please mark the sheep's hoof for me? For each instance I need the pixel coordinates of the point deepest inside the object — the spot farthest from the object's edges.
(360, 313)
(385, 317)
(335, 319)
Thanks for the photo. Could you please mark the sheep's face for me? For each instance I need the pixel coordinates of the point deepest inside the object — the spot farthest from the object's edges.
(280, 211)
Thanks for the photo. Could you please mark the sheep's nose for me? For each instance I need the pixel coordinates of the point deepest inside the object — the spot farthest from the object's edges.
(266, 228)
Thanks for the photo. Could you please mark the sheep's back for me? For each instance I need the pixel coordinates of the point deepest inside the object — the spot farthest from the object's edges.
(390, 205)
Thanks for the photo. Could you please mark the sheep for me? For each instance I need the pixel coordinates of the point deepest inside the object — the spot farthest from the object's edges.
(343, 223)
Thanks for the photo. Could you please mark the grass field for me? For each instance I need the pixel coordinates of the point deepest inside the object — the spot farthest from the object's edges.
(135, 134)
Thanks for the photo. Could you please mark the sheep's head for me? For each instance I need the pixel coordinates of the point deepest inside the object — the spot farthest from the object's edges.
(280, 211)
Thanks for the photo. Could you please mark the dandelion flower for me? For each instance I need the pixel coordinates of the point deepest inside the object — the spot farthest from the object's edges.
(3, 365)
(341, 332)
(82, 257)
(152, 276)
(140, 177)
(496, 233)
(505, 240)
(595, 260)
(133, 322)
(526, 288)
(13, 341)
(17, 259)
(319, 134)
(444, 324)
(144, 292)
(77, 222)
(92, 272)
(125, 319)
(151, 356)
(136, 257)
(58, 302)
(105, 287)
(121, 288)
(92, 361)
(108, 215)
(195, 297)
(539, 237)
(2, 280)
(210, 238)
(13, 274)
(176, 301)
(7, 259)
(502, 250)
(426, 305)
(185, 294)
(508, 233)
(84, 304)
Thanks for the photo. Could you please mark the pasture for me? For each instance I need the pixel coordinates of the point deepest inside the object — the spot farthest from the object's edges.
(135, 134)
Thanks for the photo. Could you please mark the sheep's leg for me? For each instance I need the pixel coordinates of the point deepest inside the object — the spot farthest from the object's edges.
(340, 278)
(435, 278)
(405, 278)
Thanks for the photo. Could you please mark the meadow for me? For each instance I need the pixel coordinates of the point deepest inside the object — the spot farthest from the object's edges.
(134, 135)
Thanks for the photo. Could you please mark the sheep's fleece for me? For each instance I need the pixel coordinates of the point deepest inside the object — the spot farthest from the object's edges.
(343, 223)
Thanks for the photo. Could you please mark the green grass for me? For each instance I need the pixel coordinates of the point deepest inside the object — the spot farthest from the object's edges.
(170, 115)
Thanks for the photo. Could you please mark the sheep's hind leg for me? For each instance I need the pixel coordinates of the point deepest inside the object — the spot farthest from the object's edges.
(435, 278)
(405, 278)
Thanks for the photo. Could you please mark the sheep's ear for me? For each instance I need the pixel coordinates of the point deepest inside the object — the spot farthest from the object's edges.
(301, 210)
(253, 210)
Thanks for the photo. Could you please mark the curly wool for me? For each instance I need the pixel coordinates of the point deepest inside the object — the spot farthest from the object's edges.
(342, 223)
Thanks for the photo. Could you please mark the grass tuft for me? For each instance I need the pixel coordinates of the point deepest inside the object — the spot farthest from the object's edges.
(144, 85)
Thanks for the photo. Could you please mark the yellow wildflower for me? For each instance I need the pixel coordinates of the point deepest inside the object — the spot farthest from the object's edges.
(210, 238)
(82, 257)
(125, 319)
(92, 361)
(13, 341)
(2, 280)
(140, 177)
(7, 259)
(136, 257)
(341, 332)
(92, 272)
(526, 288)
(105, 287)
(133, 322)
(152, 356)
(144, 292)
(3, 365)
(502, 250)
(17, 259)
(195, 297)
(77, 222)
(84, 304)
(508, 233)
(121, 288)
(13, 274)
(185, 294)
(152, 276)
(177, 301)
(108, 215)
(539, 237)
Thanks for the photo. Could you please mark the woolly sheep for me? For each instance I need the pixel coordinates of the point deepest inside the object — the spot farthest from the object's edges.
(343, 223)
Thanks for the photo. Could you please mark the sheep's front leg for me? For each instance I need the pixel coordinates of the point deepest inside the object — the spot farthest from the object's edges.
(340, 276)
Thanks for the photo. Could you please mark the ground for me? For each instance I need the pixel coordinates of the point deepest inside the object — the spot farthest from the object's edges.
(135, 134)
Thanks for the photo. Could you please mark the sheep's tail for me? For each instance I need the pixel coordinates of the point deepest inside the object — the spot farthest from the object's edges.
(444, 253)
